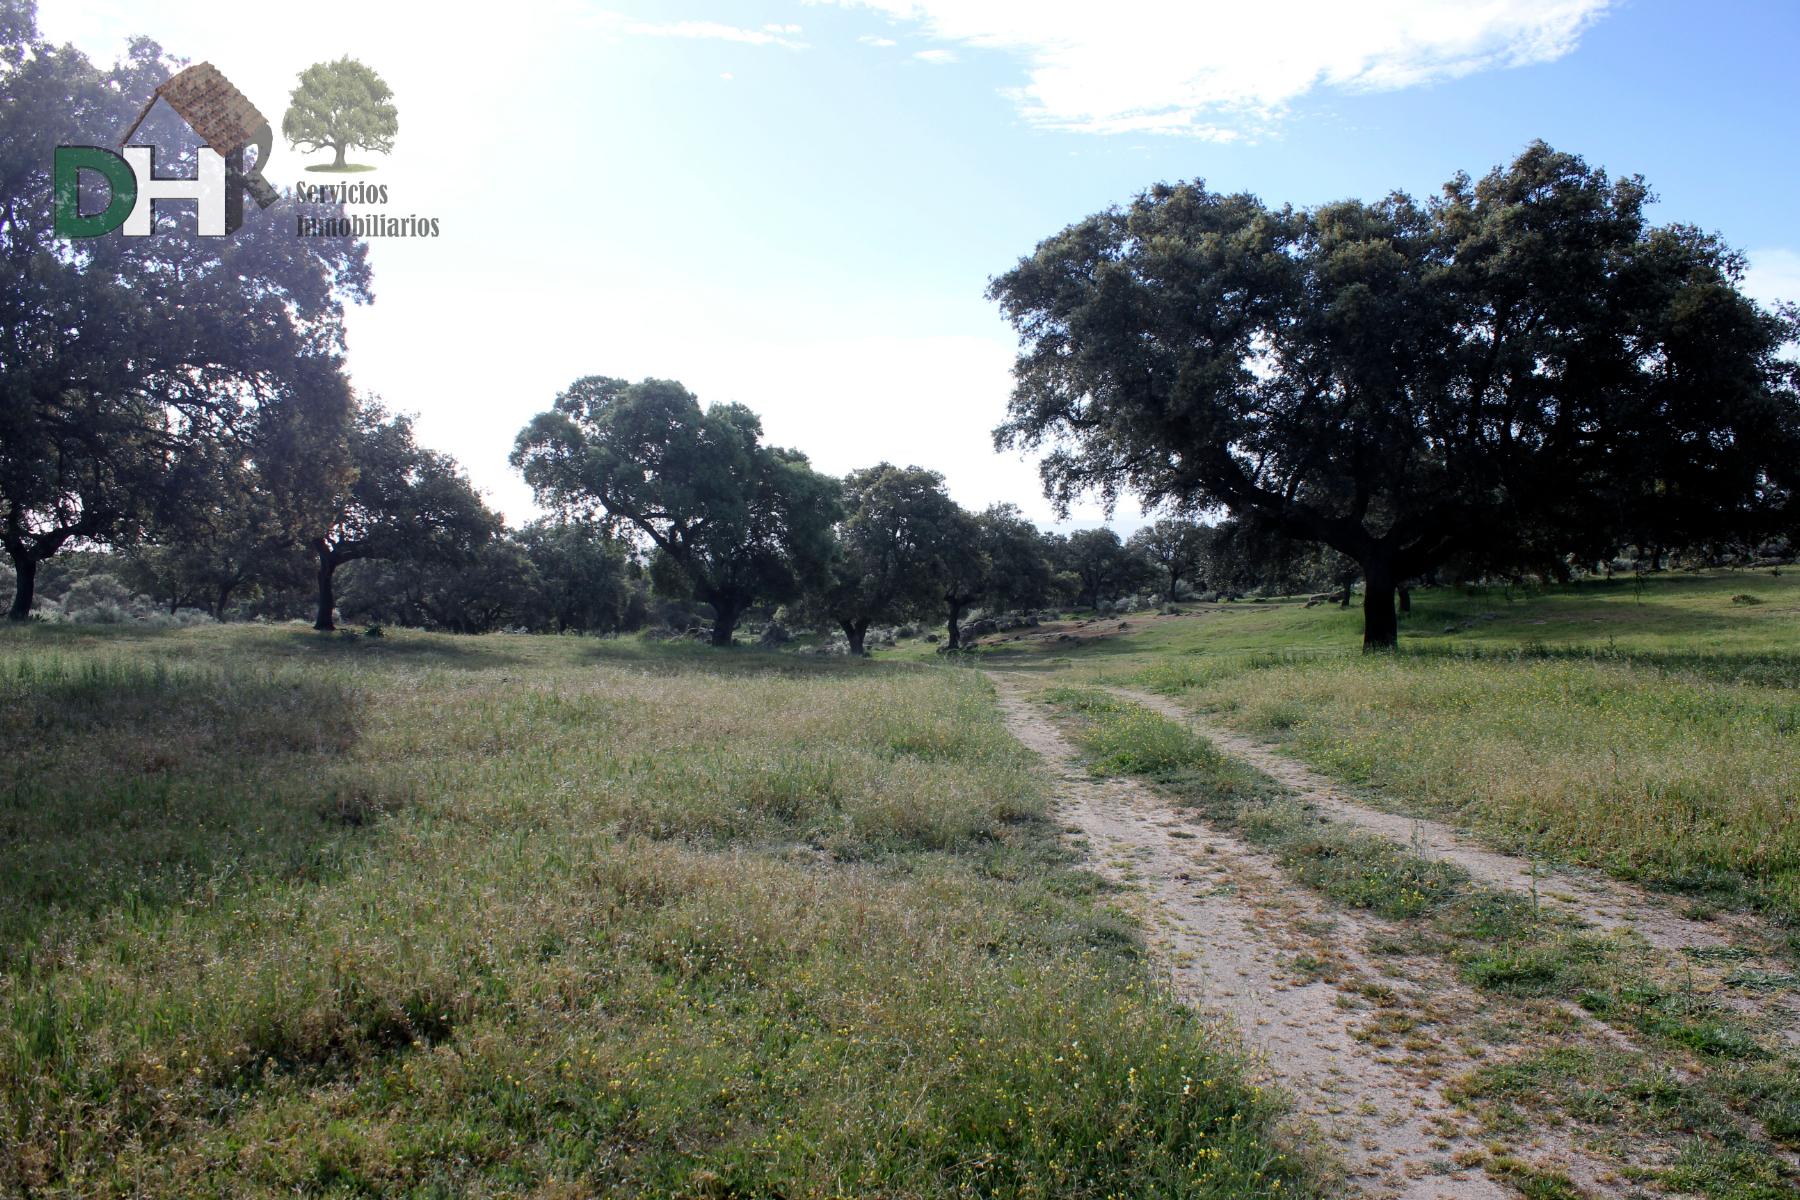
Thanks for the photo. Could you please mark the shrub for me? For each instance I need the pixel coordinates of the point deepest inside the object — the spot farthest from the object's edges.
(99, 592)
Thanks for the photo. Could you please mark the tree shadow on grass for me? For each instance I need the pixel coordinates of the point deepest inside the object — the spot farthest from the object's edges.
(1024, 653)
(132, 786)
(228, 644)
(1771, 668)
(694, 658)
(467, 652)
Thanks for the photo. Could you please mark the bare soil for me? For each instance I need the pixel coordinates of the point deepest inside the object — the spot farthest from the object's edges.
(1365, 1050)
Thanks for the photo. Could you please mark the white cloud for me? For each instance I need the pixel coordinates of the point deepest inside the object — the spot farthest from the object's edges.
(869, 39)
(936, 57)
(1223, 69)
(1774, 275)
(768, 35)
(726, 75)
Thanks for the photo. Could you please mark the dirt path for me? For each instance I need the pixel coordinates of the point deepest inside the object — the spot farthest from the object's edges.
(1358, 1048)
(1587, 896)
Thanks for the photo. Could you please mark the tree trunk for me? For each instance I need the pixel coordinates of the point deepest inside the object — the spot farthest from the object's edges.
(338, 160)
(1405, 599)
(1381, 627)
(954, 627)
(1174, 582)
(327, 599)
(26, 566)
(725, 619)
(854, 633)
(224, 598)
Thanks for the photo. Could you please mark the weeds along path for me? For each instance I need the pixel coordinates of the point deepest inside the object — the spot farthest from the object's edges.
(1588, 896)
(1230, 932)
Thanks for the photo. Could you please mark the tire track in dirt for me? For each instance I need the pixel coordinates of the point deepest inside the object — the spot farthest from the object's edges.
(1588, 896)
(1227, 927)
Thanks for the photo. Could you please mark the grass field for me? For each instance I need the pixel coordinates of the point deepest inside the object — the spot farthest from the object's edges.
(302, 915)
(1648, 728)
(1697, 1081)
(283, 913)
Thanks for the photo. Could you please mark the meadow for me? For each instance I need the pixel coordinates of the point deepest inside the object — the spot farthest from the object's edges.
(420, 915)
(288, 913)
(1646, 727)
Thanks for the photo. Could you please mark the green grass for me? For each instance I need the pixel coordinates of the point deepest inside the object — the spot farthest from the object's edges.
(564, 917)
(1682, 620)
(1650, 729)
(1679, 780)
(1616, 1095)
(1121, 738)
(1509, 948)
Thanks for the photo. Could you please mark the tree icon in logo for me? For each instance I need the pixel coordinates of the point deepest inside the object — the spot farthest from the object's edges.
(342, 105)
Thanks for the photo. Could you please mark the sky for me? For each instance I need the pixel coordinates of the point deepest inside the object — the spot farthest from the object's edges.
(798, 205)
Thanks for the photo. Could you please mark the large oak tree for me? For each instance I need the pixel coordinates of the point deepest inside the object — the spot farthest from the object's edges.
(1178, 548)
(385, 498)
(340, 106)
(890, 549)
(995, 557)
(1104, 566)
(1401, 381)
(733, 521)
(121, 357)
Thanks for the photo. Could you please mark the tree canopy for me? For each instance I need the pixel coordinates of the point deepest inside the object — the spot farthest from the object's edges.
(1399, 380)
(585, 578)
(890, 549)
(1177, 547)
(995, 557)
(119, 357)
(733, 521)
(217, 533)
(1104, 566)
(393, 500)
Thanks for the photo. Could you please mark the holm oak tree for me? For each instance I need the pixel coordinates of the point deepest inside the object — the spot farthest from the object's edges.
(1400, 381)
(733, 521)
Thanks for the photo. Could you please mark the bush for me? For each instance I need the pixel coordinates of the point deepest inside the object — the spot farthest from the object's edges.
(101, 599)
(97, 592)
(103, 613)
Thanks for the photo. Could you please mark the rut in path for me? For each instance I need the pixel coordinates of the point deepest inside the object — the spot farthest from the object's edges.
(1228, 929)
(1587, 896)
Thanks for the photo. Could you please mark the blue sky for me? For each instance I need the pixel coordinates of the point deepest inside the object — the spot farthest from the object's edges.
(798, 205)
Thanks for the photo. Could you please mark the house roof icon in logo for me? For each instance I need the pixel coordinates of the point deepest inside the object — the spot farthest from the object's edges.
(222, 117)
